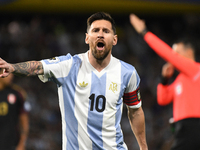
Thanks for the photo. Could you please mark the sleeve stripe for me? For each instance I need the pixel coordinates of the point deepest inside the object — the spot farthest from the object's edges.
(127, 96)
(131, 102)
(132, 98)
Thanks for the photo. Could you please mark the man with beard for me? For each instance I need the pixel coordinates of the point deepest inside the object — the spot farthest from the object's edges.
(92, 88)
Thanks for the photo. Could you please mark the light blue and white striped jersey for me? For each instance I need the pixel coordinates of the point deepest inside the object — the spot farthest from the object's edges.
(91, 101)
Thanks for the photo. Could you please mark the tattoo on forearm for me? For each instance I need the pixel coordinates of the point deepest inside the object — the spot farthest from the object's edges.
(30, 68)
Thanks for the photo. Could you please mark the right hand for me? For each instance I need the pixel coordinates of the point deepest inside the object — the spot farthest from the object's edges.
(137, 23)
(5, 68)
(167, 70)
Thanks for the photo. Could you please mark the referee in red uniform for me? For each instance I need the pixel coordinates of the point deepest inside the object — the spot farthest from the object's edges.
(184, 92)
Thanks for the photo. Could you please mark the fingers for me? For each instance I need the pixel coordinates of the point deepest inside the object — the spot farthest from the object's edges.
(167, 70)
(3, 64)
(137, 23)
(133, 19)
(3, 68)
(4, 74)
(2, 61)
(168, 65)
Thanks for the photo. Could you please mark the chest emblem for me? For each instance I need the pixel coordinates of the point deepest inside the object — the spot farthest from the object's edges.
(113, 87)
(179, 89)
(11, 98)
(83, 84)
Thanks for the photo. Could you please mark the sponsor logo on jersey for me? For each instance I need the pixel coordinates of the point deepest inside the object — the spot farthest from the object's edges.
(3, 108)
(178, 89)
(11, 98)
(53, 60)
(83, 84)
(113, 87)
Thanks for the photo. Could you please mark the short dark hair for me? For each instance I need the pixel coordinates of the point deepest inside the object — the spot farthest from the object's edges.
(101, 16)
(188, 42)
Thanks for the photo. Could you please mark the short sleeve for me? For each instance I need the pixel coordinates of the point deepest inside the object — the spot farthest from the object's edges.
(132, 96)
(56, 67)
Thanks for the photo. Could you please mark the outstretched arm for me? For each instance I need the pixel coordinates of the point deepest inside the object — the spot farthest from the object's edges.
(29, 68)
(184, 65)
(137, 122)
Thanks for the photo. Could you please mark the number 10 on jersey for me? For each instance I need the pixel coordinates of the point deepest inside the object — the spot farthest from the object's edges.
(98, 103)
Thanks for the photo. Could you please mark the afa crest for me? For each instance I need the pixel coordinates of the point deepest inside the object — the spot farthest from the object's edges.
(113, 87)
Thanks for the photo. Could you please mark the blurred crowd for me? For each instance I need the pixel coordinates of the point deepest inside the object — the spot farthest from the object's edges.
(36, 37)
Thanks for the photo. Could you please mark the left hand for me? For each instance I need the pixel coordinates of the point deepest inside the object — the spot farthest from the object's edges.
(137, 23)
(167, 70)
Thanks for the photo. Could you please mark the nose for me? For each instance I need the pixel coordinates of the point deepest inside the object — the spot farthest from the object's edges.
(100, 34)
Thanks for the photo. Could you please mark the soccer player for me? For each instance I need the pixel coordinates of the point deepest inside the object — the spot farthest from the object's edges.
(92, 87)
(184, 91)
(14, 124)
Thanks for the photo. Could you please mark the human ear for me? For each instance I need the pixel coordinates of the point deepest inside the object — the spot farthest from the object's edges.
(86, 38)
(190, 53)
(115, 40)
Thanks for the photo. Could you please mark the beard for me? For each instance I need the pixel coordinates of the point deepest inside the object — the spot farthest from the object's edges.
(100, 55)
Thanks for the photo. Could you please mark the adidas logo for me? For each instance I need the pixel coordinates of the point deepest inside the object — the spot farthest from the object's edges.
(83, 84)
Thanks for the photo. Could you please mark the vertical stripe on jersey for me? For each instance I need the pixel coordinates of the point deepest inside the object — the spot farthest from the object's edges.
(112, 113)
(82, 106)
(69, 120)
(95, 117)
(125, 78)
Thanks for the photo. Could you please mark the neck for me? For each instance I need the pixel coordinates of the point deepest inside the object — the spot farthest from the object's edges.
(99, 64)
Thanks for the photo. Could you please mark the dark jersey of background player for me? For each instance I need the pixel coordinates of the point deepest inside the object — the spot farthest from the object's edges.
(13, 116)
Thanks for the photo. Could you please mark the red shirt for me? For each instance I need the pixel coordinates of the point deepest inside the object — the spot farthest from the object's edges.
(184, 92)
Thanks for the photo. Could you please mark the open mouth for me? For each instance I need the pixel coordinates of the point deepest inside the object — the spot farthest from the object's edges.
(100, 45)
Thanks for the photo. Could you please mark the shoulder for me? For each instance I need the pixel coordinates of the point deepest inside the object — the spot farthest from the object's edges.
(62, 60)
(57, 59)
(66, 57)
(124, 64)
(126, 67)
(127, 70)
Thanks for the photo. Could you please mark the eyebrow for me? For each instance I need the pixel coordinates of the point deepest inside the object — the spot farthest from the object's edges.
(104, 28)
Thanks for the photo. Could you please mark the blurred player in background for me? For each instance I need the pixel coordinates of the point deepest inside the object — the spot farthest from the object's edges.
(184, 92)
(90, 88)
(14, 124)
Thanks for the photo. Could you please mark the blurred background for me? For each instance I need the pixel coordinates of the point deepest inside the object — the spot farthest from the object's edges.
(40, 29)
